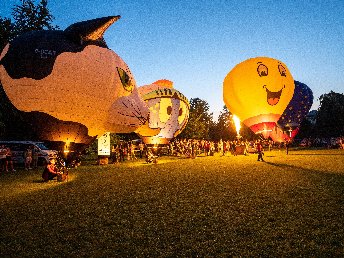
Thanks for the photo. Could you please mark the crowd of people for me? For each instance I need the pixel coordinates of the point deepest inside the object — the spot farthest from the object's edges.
(30, 156)
(189, 148)
(192, 148)
(126, 150)
(334, 142)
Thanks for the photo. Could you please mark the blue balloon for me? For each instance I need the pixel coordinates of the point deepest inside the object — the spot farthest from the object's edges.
(297, 108)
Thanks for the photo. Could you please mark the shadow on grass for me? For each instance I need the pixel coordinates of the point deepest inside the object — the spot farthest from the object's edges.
(305, 170)
(281, 165)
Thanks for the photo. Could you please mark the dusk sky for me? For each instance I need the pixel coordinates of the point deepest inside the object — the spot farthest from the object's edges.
(196, 43)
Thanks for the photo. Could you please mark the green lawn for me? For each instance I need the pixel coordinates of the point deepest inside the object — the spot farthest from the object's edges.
(205, 207)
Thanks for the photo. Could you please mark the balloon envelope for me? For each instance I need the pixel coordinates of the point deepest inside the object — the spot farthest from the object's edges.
(297, 108)
(73, 76)
(258, 90)
(169, 112)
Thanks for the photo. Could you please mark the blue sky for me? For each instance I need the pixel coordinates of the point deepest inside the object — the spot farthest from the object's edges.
(196, 43)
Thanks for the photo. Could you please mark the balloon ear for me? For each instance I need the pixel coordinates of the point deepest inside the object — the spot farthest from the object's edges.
(165, 83)
(91, 30)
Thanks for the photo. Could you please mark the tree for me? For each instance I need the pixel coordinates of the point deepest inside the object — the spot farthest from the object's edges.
(330, 116)
(6, 31)
(306, 129)
(199, 122)
(27, 17)
(30, 16)
(224, 128)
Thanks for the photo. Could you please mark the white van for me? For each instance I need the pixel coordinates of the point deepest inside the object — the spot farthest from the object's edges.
(19, 147)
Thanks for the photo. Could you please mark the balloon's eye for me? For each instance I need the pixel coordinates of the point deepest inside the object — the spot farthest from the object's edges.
(125, 80)
(262, 70)
(169, 110)
(282, 70)
(180, 112)
(166, 109)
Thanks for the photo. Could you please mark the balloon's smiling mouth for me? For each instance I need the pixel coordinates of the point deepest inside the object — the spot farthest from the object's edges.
(273, 96)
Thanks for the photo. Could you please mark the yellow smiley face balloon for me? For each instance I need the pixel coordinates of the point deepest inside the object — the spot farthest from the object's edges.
(258, 90)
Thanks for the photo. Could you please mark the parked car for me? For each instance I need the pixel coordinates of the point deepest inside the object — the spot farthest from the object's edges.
(19, 147)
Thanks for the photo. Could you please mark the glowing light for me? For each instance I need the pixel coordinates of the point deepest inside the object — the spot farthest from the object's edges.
(155, 140)
(66, 147)
(236, 121)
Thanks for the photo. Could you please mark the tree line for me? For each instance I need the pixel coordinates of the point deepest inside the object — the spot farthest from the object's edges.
(328, 120)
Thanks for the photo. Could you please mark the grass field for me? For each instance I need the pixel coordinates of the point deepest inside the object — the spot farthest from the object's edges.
(205, 207)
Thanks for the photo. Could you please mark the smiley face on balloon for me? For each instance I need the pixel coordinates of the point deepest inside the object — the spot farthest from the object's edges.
(258, 90)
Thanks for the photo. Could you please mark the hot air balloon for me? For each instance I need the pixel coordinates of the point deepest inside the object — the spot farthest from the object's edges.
(169, 112)
(258, 91)
(297, 109)
(73, 76)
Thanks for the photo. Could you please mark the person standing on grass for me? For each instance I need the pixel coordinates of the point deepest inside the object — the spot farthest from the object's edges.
(132, 151)
(3, 158)
(113, 154)
(270, 145)
(220, 147)
(127, 151)
(117, 155)
(28, 158)
(287, 145)
(9, 160)
(141, 147)
(35, 157)
(121, 152)
(206, 148)
(260, 151)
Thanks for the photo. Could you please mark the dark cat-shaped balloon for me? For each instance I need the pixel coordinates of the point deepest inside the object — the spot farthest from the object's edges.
(73, 76)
